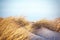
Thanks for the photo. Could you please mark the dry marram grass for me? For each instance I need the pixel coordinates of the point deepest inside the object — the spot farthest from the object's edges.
(17, 29)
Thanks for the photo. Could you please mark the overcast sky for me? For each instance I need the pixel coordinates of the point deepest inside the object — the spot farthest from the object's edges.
(31, 9)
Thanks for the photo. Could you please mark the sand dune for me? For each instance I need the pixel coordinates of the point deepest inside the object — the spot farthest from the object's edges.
(12, 28)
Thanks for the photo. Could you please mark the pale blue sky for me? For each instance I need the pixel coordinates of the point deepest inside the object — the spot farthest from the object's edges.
(32, 9)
